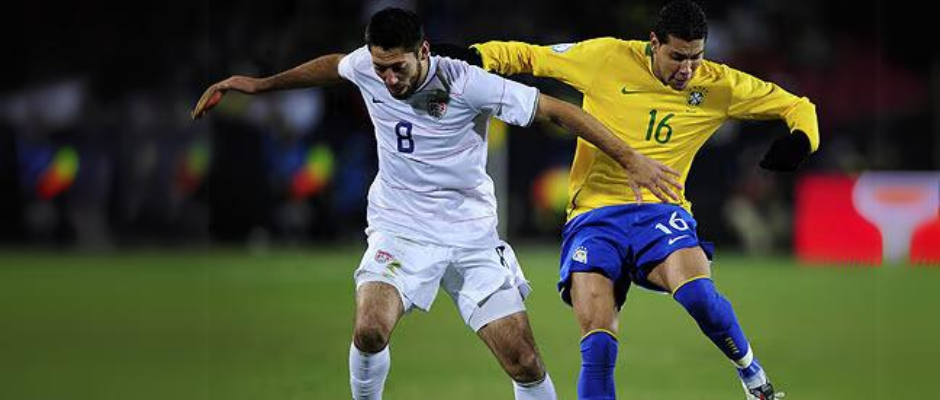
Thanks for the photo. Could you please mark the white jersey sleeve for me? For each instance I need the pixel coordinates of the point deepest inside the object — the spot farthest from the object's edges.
(509, 101)
(347, 65)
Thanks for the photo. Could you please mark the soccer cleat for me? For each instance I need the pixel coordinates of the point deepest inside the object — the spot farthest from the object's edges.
(755, 382)
(763, 392)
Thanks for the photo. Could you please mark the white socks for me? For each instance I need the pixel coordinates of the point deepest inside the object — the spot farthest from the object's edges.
(541, 390)
(367, 373)
(750, 371)
(745, 362)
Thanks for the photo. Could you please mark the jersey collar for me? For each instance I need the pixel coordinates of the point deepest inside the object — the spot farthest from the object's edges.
(432, 70)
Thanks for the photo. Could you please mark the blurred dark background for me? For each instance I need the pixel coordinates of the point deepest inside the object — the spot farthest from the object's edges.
(97, 150)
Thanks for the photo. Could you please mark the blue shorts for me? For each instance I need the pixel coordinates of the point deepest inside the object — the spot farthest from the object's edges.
(624, 243)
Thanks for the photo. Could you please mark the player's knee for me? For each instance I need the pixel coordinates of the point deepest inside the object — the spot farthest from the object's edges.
(594, 307)
(526, 367)
(371, 338)
(589, 325)
(597, 319)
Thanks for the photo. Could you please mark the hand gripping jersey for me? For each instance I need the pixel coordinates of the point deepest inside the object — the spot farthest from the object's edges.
(432, 184)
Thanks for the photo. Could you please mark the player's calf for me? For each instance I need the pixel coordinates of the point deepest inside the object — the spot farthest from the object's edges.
(714, 316)
(717, 320)
(368, 372)
(523, 365)
(598, 359)
(511, 341)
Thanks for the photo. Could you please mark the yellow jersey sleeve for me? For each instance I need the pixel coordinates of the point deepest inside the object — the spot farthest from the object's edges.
(575, 64)
(752, 98)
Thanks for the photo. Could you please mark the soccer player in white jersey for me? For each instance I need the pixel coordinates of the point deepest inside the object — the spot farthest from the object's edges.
(432, 210)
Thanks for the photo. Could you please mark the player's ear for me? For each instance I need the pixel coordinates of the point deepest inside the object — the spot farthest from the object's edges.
(654, 41)
(424, 51)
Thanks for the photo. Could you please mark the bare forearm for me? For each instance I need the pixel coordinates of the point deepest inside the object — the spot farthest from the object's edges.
(575, 120)
(642, 171)
(317, 72)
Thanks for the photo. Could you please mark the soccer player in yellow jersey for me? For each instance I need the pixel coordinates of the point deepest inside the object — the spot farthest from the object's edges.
(665, 100)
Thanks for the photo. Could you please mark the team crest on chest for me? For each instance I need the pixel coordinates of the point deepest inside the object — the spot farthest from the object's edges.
(437, 109)
(435, 103)
(696, 96)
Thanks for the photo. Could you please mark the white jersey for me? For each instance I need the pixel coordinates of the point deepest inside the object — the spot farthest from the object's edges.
(432, 184)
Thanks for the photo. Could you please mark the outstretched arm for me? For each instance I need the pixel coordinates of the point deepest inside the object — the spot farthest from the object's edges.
(575, 64)
(753, 98)
(318, 72)
(642, 171)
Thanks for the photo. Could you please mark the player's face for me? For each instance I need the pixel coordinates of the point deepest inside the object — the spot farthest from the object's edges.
(400, 69)
(675, 61)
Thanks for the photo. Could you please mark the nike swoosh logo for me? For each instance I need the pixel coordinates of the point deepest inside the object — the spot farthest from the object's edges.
(377, 101)
(625, 91)
(673, 240)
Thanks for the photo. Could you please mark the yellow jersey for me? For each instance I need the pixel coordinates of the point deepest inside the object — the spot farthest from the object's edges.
(665, 124)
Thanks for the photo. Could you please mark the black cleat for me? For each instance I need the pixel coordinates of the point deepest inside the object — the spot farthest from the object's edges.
(763, 392)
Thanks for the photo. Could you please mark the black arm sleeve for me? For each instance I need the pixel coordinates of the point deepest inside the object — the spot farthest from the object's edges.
(457, 52)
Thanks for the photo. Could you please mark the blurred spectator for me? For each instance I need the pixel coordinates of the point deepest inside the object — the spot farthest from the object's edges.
(104, 91)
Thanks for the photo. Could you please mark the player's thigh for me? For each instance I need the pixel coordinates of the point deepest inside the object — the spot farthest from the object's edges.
(379, 305)
(679, 267)
(593, 300)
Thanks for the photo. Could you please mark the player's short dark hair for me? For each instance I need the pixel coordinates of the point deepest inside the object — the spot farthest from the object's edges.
(683, 19)
(394, 28)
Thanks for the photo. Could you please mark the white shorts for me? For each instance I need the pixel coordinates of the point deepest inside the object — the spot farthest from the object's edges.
(485, 284)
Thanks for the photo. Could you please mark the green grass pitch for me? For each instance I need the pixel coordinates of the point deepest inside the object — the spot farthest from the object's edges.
(232, 325)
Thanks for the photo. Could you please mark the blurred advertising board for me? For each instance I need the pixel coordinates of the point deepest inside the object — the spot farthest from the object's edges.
(871, 219)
